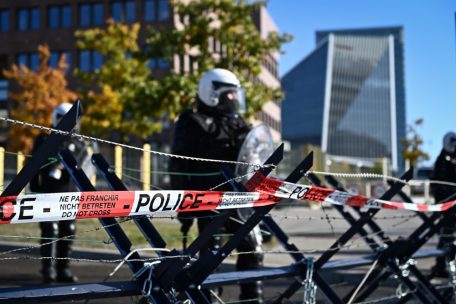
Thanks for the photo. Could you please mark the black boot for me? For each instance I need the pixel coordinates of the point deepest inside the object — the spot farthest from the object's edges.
(48, 264)
(64, 275)
(49, 231)
(251, 292)
(439, 270)
(49, 274)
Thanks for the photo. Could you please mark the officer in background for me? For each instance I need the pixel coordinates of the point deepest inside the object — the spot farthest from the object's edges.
(445, 170)
(54, 178)
(214, 130)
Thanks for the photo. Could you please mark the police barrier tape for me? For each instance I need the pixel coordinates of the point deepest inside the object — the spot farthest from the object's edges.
(33, 208)
(97, 204)
(284, 189)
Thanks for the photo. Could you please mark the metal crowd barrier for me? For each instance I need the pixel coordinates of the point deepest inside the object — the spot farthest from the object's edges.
(175, 280)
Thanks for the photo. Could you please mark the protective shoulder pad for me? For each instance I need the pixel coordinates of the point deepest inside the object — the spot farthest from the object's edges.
(203, 121)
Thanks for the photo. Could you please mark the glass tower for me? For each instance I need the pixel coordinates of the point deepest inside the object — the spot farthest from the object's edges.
(348, 95)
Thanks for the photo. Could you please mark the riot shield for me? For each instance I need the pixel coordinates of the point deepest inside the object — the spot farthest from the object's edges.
(255, 149)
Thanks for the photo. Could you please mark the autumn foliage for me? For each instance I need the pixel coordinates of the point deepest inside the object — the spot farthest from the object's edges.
(120, 95)
(38, 93)
(412, 144)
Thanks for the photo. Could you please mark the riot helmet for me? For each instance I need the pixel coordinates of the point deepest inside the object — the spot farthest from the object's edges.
(59, 112)
(449, 142)
(221, 89)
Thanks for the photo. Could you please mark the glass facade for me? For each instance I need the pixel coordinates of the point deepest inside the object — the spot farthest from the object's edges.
(302, 110)
(399, 81)
(359, 122)
(350, 95)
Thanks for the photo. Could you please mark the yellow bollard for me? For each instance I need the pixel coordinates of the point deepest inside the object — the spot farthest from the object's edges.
(146, 167)
(20, 164)
(93, 178)
(118, 161)
(20, 161)
(2, 168)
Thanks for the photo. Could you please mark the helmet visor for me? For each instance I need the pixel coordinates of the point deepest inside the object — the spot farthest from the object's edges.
(231, 99)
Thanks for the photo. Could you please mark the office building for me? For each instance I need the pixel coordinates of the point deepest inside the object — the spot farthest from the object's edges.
(348, 96)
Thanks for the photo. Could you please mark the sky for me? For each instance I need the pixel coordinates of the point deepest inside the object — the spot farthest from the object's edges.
(429, 50)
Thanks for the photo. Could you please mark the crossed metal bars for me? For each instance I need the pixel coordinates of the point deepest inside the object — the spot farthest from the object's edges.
(394, 257)
(176, 279)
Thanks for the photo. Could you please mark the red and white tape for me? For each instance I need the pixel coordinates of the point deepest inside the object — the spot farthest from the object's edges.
(264, 191)
(284, 189)
(79, 205)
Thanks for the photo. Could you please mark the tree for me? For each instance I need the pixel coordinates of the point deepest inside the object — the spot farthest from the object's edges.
(39, 93)
(121, 95)
(242, 49)
(129, 99)
(412, 144)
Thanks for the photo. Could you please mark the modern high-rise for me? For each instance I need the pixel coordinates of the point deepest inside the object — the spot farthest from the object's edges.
(348, 95)
(24, 24)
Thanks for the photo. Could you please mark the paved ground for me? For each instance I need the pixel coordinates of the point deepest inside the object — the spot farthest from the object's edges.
(311, 230)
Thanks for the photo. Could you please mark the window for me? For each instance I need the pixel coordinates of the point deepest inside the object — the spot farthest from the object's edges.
(91, 14)
(55, 56)
(84, 61)
(156, 63)
(34, 61)
(270, 64)
(163, 64)
(3, 90)
(124, 11)
(54, 59)
(22, 59)
(152, 64)
(149, 10)
(28, 19)
(182, 64)
(35, 18)
(59, 16)
(90, 61)
(4, 20)
(156, 10)
(30, 60)
(163, 10)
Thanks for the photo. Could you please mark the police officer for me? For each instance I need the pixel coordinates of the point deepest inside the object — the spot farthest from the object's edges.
(50, 179)
(214, 130)
(445, 170)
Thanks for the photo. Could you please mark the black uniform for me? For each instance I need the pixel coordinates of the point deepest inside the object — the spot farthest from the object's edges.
(54, 178)
(444, 170)
(208, 133)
